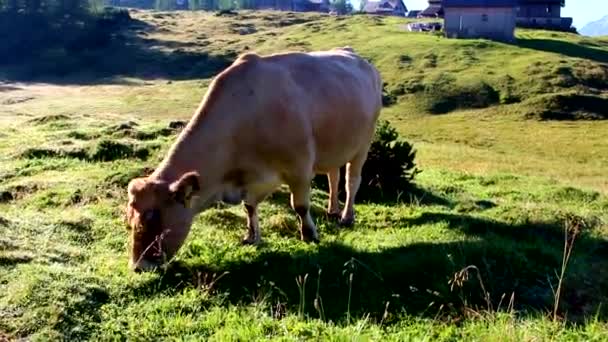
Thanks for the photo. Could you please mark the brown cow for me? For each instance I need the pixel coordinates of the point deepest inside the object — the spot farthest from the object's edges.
(265, 121)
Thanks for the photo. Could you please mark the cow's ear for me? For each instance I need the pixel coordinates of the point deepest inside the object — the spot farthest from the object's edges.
(184, 188)
(135, 186)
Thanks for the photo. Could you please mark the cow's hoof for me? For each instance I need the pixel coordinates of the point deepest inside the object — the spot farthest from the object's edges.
(309, 236)
(347, 222)
(311, 240)
(250, 241)
(333, 216)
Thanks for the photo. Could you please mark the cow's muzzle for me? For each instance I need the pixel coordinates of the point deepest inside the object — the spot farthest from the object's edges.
(143, 266)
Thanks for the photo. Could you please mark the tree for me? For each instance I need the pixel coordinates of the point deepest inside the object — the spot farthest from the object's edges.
(342, 6)
(362, 5)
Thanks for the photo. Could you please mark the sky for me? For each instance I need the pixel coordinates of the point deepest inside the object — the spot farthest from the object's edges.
(583, 11)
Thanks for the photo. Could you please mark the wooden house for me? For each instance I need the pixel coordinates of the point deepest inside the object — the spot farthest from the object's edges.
(542, 14)
(489, 19)
(386, 7)
(435, 10)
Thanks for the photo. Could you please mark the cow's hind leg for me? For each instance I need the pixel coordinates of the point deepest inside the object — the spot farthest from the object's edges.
(333, 207)
(300, 202)
(353, 181)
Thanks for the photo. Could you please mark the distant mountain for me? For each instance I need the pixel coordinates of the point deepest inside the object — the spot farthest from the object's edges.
(596, 28)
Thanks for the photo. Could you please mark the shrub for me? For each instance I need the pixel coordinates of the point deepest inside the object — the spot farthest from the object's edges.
(388, 172)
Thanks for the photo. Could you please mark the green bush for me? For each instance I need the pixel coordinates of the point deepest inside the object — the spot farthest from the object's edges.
(388, 172)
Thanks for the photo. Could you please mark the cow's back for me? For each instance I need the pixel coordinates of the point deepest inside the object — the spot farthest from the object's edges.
(286, 106)
(335, 94)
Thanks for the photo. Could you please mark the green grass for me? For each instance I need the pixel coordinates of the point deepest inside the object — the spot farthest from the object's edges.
(501, 177)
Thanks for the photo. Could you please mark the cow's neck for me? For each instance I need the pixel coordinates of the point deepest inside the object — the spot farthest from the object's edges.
(197, 149)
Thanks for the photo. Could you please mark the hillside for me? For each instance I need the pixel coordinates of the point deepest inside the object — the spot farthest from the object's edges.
(511, 140)
(596, 28)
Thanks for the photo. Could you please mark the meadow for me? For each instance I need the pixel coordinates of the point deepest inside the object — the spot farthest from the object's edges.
(510, 138)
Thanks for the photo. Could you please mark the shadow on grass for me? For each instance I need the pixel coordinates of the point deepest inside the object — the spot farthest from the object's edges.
(107, 54)
(414, 195)
(513, 259)
(565, 48)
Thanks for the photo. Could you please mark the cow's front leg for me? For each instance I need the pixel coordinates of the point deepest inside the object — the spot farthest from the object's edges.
(254, 194)
(300, 202)
(333, 206)
(253, 236)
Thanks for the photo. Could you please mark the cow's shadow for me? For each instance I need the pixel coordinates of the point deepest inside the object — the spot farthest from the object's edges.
(289, 223)
(519, 260)
(414, 195)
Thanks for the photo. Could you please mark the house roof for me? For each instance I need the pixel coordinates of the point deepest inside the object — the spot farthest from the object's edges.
(432, 11)
(524, 2)
(382, 6)
(480, 3)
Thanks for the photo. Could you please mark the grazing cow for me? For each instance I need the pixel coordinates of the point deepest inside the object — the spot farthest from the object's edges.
(265, 121)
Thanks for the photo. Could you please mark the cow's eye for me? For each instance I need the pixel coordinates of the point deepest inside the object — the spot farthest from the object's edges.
(151, 215)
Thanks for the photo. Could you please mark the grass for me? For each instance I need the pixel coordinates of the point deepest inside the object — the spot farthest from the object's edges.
(475, 253)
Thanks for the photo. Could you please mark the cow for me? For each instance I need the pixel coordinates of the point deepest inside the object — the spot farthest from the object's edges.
(265, 121)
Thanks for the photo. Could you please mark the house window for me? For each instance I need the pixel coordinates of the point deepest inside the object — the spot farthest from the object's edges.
(484, 17)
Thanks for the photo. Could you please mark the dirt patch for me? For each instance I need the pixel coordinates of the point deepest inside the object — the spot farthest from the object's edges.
(82, 135)
(103, 151)
(80, 226)
(17, 99)
(177, 124)
(6, 196)
(122, 178)
(443, 96)
(123, 126)
(243, 28)
(37, 153)
(7, 245)
(79, 232)
(41, 120)
(108, 150)
(472, 206)
(12, 259)
(4, 222)
(17, 192)
(7, 88)
(569, 107)
(128, 130)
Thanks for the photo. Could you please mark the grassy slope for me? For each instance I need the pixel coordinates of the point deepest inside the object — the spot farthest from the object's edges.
(497, 186)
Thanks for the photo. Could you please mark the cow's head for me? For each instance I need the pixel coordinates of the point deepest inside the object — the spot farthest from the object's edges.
(159, 216)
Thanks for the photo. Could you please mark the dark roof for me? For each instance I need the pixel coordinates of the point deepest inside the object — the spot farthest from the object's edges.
(381, 6)
(432, 11)
(480, 3)
(525, 2)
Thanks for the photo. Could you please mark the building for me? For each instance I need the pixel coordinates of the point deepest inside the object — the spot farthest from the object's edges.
(311, 5)
(386, 7)
(435, 10)
(544, 14)
(413, 14)
(490, 19)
